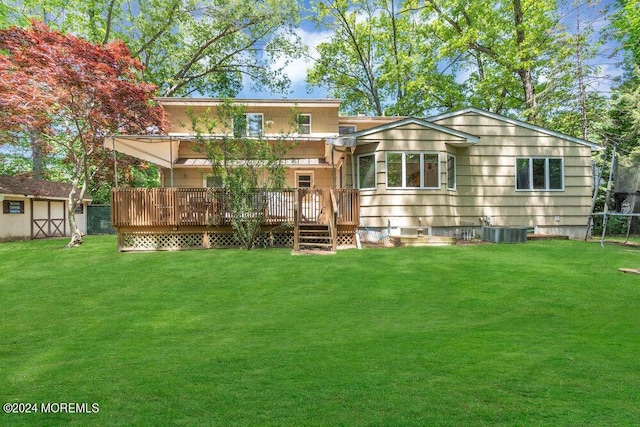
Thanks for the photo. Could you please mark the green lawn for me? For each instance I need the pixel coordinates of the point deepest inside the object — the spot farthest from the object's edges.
(545, 333)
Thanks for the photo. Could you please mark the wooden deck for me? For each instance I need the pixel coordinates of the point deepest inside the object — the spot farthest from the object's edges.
(186, 218)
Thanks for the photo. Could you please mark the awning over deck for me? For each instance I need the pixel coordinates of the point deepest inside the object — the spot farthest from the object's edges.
(161, 150)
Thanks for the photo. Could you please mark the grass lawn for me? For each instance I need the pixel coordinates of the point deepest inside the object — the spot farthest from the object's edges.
(545, 333)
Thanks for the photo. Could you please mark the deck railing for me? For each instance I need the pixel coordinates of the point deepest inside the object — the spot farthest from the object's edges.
(173, 207)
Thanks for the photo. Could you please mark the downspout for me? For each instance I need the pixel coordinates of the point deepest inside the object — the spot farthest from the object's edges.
(171, 160)
(333, 168)
(353, 169)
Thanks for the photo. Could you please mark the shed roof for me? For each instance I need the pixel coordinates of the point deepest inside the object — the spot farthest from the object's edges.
(35, 188)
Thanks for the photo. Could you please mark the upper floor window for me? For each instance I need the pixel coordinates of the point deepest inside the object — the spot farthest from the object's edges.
(413, 170)
(304, 123)
(249, 124)
(346, 129)
(13, 206)
(367, 171)
(539, 173)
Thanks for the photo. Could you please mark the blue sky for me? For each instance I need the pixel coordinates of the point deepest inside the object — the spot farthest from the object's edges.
(311, 36)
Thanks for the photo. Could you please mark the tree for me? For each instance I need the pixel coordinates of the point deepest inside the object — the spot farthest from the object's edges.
(203, 47)
(378, 60)
(247, 165)
(73, 93)
(209, 48)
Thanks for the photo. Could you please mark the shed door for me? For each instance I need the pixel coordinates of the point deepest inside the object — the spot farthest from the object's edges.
(48, 218)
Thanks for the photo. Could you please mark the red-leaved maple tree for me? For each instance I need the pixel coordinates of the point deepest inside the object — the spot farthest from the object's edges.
(72, 94)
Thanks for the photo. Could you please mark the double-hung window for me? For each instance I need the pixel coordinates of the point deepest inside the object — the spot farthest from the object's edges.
(249, 124)
(367, 171)
(413, 170)
(539, 173)
(304, 124)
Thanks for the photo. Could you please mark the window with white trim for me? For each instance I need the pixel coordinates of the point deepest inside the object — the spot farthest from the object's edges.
(413, 170)
(451, 172)
(367, 171)
(304, 179)
(539, 173)
(248, 124)
(304, 124)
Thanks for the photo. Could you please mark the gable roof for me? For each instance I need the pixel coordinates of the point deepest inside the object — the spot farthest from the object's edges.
(34, 188)
(349, 139)
(505, 119)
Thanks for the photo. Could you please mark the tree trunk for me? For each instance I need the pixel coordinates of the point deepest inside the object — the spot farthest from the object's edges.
(526, 76)
(525, 73)
(75, 198)
(76, 234)
(37, 156)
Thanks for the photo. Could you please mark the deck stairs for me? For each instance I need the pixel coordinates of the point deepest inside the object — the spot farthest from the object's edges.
(315, 237)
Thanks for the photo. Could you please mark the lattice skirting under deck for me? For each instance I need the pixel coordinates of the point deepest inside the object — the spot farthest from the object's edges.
(150, 240)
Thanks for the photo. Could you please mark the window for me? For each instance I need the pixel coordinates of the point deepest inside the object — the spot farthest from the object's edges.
(304, 124)
(537, 173)
(304, 179)
(79, 209)
(249, 124)
(13, 206)
(346, 129)
(367, 171)
(413, 170)
(451, 172)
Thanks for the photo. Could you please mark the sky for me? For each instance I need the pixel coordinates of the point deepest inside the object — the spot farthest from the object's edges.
(311, 36)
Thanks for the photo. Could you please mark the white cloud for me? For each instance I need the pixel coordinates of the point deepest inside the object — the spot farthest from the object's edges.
(298, 68)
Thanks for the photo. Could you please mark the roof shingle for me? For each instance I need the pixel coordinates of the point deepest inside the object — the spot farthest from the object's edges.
(33, 187)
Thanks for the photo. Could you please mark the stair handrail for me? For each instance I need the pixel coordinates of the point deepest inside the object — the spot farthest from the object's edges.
(296, 222)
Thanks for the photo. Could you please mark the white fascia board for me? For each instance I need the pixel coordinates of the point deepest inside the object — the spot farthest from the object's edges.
(471, 139)
(515, 122)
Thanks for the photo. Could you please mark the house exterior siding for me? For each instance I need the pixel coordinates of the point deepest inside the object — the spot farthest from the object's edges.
(484, 147)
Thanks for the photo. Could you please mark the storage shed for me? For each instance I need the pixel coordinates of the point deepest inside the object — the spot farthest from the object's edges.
(35, 209)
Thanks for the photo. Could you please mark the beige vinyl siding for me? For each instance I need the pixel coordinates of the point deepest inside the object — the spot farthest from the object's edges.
(277, 120)
(401, 207)
(486, 176)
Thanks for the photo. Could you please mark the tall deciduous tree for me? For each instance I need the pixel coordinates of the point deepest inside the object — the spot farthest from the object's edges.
(205, 47)
(379, 61)
(623, 122)
(72, 93)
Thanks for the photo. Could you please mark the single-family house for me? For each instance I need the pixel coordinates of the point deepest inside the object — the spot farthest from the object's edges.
(34, 209)
(446, 173)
